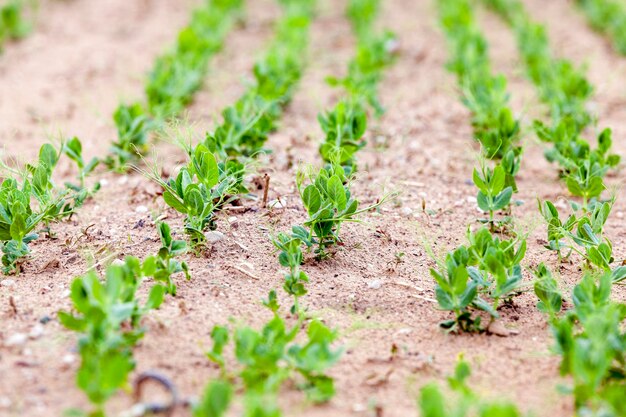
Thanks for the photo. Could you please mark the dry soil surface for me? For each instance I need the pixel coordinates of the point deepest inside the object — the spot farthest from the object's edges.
(85, 56)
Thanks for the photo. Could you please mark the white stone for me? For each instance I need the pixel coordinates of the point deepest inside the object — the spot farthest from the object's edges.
(214, 236)
(5, 402)
(68, 359)
(407, 211)
(36, 332)
(7, 282)
(141, 209)
(17, 339)
(375, 284)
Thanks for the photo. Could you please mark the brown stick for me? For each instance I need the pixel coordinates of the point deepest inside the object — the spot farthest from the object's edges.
(266, 189)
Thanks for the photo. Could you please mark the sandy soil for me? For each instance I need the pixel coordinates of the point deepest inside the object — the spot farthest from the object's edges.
(84, 56)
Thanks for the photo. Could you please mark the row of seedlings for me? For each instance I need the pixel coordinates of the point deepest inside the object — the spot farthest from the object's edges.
(566, 91)
(107, 312)
(607, 17)
(270, 358)
(174, 80)
(326, 193)
(200, 188)
(214, 174)
(589, 337)
(480, 276)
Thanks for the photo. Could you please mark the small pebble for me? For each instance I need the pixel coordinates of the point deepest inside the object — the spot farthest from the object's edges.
(232, 219)
(36, 332)
(7, 282)
(471, 199)
(405, 330)
(104, 182)
(45, 320)
(214, 236)
(141, 209)
(68, 359)
(375, 284)
(17, 339)
(359, 408)
(117, 262)
(5, 402)
(407, 211)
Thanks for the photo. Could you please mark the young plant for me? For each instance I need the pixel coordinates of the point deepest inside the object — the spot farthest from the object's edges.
(581, 233)
(493, 193)
(73, 149)
(329, 203)
(108, 317)
(343, 127)
(133, 132)
(165, 262)
(433, 403)
(487, 267)
(17, 223)
(271, 357)
(592, 344)
(12, 22)
(27, 203)
(200, 189)
(290, 247)
(547, 290)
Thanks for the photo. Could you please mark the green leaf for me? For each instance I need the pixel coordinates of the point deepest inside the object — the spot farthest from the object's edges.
(311, 199)
(336, 192)
(174, 202)
(215, 401)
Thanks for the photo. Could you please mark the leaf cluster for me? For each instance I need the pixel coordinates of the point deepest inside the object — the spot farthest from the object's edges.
(31, 197)
(201, 188)
(267, 360)
(487, 267)
(581, 232)
(13, 24)
(108, 316)
(328, 201)
(434, 403)
(592, 343)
